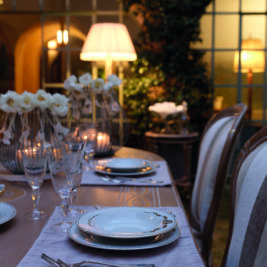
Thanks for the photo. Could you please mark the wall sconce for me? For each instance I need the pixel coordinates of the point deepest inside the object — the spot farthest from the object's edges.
(62, 37)
(108, 42)
(252, 60)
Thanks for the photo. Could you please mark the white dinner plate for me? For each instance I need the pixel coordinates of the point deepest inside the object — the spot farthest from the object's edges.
(126, 222)
(118, 244)
(7, 212)
(126, 164)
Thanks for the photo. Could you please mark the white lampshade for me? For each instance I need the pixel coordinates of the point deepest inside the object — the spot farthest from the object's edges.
(108, 41)
(250, 60)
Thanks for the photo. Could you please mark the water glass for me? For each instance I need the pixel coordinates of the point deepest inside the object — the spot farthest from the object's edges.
(34, 163)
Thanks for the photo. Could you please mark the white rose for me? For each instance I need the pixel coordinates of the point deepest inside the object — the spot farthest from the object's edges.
(107, 86)
(42, 99)
(98, 84)
(70, 82)
(26, 102)
(58, 104)
(9, 102)
(114, 80)
(85, 79)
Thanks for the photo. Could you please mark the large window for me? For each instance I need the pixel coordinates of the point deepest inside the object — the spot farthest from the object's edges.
(236, 29)
(226, 24)
(47, 36)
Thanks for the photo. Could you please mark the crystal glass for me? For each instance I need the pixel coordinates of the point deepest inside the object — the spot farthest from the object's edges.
(58, 171)
(74, 155)
(89, 135)
(34, 162)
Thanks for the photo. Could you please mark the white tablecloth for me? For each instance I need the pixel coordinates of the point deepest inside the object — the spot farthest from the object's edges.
(180, 253)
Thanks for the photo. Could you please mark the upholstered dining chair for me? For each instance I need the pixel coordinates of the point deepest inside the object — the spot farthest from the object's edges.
(215, 152)
(247, 240)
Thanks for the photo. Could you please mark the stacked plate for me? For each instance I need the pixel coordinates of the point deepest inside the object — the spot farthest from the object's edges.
(125, 228)
(124, 166)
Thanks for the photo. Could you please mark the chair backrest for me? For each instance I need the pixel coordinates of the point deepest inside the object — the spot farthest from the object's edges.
(247, 239)
(216, 149)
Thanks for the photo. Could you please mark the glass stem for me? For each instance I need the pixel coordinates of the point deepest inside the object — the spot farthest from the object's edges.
(35, 198)
(65, 206)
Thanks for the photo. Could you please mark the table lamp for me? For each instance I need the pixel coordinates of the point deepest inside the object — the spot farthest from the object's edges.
(108, 42)
(252, 61)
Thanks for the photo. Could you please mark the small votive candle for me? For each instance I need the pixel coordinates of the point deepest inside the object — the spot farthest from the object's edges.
(103, 143)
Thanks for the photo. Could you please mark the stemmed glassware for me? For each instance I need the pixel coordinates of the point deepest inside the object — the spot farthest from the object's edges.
(58, 172)
(32, 150)
(89, 136)
(65, 164)
(34, 163)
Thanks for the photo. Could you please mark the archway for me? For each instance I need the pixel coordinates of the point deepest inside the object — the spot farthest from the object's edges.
(28, 51)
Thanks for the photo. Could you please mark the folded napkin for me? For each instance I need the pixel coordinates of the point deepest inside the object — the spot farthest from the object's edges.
(160, 177)
(180, 253)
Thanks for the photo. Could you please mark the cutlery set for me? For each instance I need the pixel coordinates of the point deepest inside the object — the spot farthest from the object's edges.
(60, 263)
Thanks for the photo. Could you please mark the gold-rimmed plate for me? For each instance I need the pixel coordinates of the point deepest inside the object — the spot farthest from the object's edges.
(124, 166)
(89, 240)
(126, 222)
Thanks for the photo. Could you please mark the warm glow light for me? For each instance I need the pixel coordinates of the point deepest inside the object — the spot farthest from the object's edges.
(59, 37)
(62, 37)
(52, 44)
(65, 37)
(250, 60)
(108, 42)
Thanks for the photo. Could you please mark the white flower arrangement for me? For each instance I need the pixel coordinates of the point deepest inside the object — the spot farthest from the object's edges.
(85, 80)
(13, 103)
(80, 89)
(165, 109)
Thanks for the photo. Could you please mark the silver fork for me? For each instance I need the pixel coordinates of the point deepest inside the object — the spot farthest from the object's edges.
(63, 264)
(60, 263)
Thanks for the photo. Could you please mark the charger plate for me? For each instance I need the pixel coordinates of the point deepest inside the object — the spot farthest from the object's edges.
(126, 222)
(121, 244)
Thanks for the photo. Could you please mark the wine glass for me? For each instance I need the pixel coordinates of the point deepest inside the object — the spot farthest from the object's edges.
(58, 171)
(34, 162)
(74, 155)
(89, 135)
(64, 164)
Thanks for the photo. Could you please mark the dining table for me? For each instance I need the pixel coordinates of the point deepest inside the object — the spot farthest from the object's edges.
(24, 240)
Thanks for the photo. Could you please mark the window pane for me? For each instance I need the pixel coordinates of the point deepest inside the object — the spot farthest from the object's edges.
(254, 27)
(77, 66)
(226, 31)
(256, 101)
(81, 5)
(205, 28)
(251, 6)
(79, 27)
(227, 5)
(209, 7)
(52, 24)
(107, 5)
(6, 6)
(29, 5)
(226, 95)
(224, 73)
(52, 5)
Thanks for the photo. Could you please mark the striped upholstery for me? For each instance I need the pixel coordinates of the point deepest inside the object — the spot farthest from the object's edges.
(210, 151)
(216, 148)
(247, 243)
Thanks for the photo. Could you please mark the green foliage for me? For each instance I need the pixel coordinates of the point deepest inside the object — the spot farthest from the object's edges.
(167, 61)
